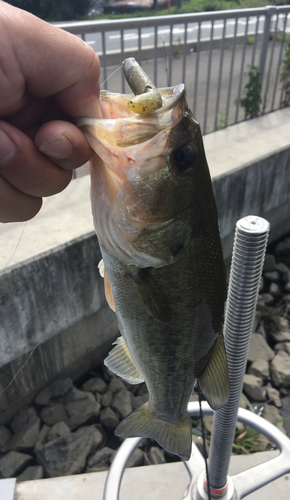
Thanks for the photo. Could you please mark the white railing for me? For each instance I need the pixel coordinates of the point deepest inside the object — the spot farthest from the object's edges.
(210, 52)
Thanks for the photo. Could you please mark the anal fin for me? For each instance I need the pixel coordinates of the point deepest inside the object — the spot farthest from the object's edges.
(122, 364)
(214, 378)
(173, 437)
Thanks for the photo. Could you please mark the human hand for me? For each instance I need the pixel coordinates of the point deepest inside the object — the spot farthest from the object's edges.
(47, 77)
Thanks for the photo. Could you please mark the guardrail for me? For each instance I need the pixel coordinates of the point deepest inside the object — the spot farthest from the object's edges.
(210, 52)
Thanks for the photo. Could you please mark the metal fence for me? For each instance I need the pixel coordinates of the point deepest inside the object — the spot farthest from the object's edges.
(210, 52)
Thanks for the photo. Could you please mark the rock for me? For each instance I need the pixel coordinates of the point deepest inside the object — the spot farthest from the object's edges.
(99, 397)
(107, 398)
(143, 390)
(13, 462)
(42, 437)
(266, 299)
(53, 414)
(5, 435)
(116, 385)
(75, 394)
(136, 459)
(24, 438)
(261, 285)
(283, 346)
(260, 368)
(274, 396)
(100, 460)
(272, 414)
(253, 387)
(107, 374)
(287, 287)
(122, 403)
(269, 263)
(108, 418)
(67, 455)
(259, 349)
(275, 290)
(282, 334)
(272, 276)
(53, 391)
(261, 330)
(282, 268)
(156, 456)
(284, 392)
(21, 418)
(280, 369)
(31, 473)
(139, 400)
(95, 384)
(79, 412)
(60, 429)
(243, 403)
(283, 248)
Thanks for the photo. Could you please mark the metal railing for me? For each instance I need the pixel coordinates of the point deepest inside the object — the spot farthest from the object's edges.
(210, 52)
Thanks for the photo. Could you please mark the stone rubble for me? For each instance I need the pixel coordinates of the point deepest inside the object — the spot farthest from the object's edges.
(69, 429)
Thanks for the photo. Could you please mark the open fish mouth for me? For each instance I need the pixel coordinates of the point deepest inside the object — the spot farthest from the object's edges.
(134, 154)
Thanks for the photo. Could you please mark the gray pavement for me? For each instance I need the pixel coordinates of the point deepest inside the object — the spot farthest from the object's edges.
(154, 482)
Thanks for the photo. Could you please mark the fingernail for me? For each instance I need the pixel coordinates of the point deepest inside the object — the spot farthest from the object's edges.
(58, 147)
(7, 148)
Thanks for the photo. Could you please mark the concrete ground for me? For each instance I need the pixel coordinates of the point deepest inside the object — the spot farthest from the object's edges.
(155, 482)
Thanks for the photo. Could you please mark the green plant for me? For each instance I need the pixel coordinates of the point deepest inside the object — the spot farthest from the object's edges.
(250, 40)
(285, 73)
(177, 48)
(221, 121)
(252, 93)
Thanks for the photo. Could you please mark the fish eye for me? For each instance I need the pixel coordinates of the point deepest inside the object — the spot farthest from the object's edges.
(184, 159)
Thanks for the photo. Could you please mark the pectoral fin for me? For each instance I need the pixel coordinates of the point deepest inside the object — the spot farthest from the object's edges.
(153, 297)
(214, 377)
(122, 364)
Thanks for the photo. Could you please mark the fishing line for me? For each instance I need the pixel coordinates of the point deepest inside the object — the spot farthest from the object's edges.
(17, 245)
(203, 442)
(46, 330)
(111, 75)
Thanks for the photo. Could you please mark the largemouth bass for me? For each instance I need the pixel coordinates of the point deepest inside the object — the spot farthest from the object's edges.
(156, 220)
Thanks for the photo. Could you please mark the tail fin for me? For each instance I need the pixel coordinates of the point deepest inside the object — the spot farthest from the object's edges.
(173, 437)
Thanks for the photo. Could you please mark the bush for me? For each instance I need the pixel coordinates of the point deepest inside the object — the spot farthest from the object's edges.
(54, 10)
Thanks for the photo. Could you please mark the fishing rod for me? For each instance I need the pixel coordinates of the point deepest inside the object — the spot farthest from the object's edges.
(247, 263)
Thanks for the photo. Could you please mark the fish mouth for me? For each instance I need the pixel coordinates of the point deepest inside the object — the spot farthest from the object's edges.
(131, 147)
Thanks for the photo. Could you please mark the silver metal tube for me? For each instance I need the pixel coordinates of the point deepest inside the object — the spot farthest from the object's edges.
(242, 71)
(208, 78)
(155, 55)
(196, 70)
(184, 48)
(170, 54)
(122, 59)
(104, 64)
(263, 54)
(220, 75)
(247, 263)
(231, 71)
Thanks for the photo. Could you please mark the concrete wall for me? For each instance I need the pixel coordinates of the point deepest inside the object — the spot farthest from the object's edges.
(51, 293)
